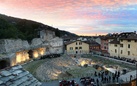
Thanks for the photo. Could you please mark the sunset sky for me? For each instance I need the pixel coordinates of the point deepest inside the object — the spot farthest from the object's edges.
(83, 17)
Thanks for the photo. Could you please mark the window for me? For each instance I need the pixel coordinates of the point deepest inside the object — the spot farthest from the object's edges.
(115, 50)
(129, 40)
(135, 40)
(128, 52)
(80, 47)
(76, 43)
(80, 52)
(71, 48)
(115, 45)
(121, 45)
(76, 47)
(80, 43)
(121, 40)
(128, 45)
(121, 51)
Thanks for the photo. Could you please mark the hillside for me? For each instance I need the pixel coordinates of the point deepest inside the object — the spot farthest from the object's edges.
(11, 27)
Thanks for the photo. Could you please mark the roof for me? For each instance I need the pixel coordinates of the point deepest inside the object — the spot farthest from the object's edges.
(93, 43)
(70, 42)
(115, 41)
(129, 37)
(104, 38)
(17, 76)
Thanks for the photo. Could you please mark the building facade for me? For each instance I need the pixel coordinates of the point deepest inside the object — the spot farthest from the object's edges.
(77, 47)
(124, 46)
(104, 44)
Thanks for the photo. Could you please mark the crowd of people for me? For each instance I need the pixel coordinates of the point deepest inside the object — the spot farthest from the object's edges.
(50, 56)
(68, 83)
(100, 78)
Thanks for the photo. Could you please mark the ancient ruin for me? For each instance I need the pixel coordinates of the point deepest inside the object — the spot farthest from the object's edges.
(17, 51)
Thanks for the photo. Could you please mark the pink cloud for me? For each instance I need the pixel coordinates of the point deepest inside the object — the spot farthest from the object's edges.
(64, 12)
(67, 9)
(69, 4)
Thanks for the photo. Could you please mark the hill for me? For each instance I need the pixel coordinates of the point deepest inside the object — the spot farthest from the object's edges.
(11, 27)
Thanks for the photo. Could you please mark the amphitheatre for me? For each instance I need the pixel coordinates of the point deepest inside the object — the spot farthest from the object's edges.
(71, 66)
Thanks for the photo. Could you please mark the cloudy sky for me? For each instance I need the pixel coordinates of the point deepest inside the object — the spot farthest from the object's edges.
(83, 17)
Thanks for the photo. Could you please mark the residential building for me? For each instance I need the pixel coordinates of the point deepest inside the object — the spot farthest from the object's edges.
(124, 46)
(94, 46)
(104, 43)
(77, 47)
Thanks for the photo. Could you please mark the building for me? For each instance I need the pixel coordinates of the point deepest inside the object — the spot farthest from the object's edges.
(124, 46)
(94, 46)
(77, 47)
(104, 43)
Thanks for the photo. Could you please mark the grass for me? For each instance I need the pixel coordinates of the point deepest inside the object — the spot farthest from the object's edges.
(32, 66)
(82, 71)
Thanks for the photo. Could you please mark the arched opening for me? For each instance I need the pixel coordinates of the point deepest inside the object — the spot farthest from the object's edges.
(30, 54)
(3, 64)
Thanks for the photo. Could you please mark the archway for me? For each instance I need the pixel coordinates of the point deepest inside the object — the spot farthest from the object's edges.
(30, 54)
(3, 64)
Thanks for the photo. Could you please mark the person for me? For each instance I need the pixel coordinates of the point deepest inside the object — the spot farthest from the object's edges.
(118, 73)
(109, 78)
(77, 84)
(73, 83)
(99, 75)
(92, 83)
(130, 77)
(97, 81)
(95, 74)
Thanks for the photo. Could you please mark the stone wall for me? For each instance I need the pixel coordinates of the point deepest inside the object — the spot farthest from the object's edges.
(19, 49)
(56, 45)
(12, 46)
(35, 43)
(47, 35)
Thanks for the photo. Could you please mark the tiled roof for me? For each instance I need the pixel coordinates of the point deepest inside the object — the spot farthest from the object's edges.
(69, 42)
(115, 41)
(94, 43)
(17, 76)
(129, 37)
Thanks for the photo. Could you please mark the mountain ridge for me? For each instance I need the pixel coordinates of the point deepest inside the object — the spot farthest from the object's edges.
(25, 29)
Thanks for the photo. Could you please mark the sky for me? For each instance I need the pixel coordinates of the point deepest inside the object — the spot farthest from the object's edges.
(82, 17)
